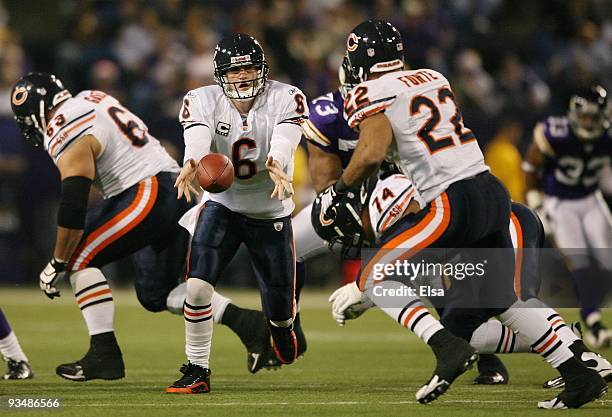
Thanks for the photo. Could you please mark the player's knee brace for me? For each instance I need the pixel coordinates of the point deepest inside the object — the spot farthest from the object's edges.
(199, 292)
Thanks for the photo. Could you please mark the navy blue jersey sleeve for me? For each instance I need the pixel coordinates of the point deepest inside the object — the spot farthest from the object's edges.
(320, 128)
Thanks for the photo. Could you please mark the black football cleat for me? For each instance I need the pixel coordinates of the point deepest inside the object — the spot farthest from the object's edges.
(195, 380)
(591, 360)
(454, 356)
(284, 343)
(18, 370)
(579, 390)
(252, 328)
(267, 359)
(492, 371)
(103, 360)
(300, 336)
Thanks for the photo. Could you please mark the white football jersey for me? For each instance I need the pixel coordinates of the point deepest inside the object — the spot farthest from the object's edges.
(430, 143)
(389, 200)
(129, 153)
(246, 142)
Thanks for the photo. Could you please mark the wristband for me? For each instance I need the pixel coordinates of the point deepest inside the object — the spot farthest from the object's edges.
(340, 187)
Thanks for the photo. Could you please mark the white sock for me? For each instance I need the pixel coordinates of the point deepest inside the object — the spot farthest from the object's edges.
(176, 299)
(10, 349)
(565, 333)
(530, 325)
(416, 317)
(559, 326)
(198, 323)
(494, 337)
(94, 297)
(219, 303)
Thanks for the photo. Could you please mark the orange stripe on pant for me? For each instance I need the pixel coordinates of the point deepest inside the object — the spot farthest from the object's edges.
(518, 258)
(114, 221)
(423, 243)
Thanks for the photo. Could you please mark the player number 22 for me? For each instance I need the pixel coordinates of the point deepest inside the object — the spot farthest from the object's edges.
(425, 133)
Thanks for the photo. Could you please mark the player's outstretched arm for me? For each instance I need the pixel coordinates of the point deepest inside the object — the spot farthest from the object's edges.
(375, 137)
(283, 187)
(185, 182)
(77, 170)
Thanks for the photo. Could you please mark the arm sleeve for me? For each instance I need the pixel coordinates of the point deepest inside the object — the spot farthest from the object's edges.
(197, 143)
(196, 128)
(285, 139)
(69, 127)
(319, 128)
(365, 100)
(288, 132)
(541, 141)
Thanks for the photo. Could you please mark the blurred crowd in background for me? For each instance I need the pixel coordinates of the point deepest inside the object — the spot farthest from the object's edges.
(510, 63)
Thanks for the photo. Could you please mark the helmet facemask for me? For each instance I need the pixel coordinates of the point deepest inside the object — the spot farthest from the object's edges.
(345, 75)
(235, 90)
(580, 111)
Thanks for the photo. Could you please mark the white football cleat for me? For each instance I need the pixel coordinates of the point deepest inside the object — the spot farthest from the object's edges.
(598, 338)
(554, 404)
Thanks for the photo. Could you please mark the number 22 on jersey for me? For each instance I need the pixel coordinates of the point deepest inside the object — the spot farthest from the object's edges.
(436, 121)
(444, 117)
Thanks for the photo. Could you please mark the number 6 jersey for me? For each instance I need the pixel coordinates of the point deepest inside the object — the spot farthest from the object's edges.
(431, 145)
(212, 123)
(129, 153)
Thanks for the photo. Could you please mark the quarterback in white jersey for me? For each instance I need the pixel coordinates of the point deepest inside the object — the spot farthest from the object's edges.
(94, 140)
(213, 124)
(467, 207)
(256, 123)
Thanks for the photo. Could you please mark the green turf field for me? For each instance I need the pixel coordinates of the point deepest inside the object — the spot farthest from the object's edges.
(372, 367)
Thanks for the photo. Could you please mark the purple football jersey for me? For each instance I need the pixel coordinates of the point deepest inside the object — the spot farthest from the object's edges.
(573, 171)
(328, 129)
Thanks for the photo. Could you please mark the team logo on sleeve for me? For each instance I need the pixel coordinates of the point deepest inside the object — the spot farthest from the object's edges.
(223, 129)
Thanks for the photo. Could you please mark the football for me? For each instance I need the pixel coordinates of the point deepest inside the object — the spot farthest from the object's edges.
(215, 173)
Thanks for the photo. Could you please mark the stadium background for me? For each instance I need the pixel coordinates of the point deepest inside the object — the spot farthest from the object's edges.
(509, 62)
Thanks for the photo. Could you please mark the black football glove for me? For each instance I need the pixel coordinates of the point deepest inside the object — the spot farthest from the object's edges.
(337, 216)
